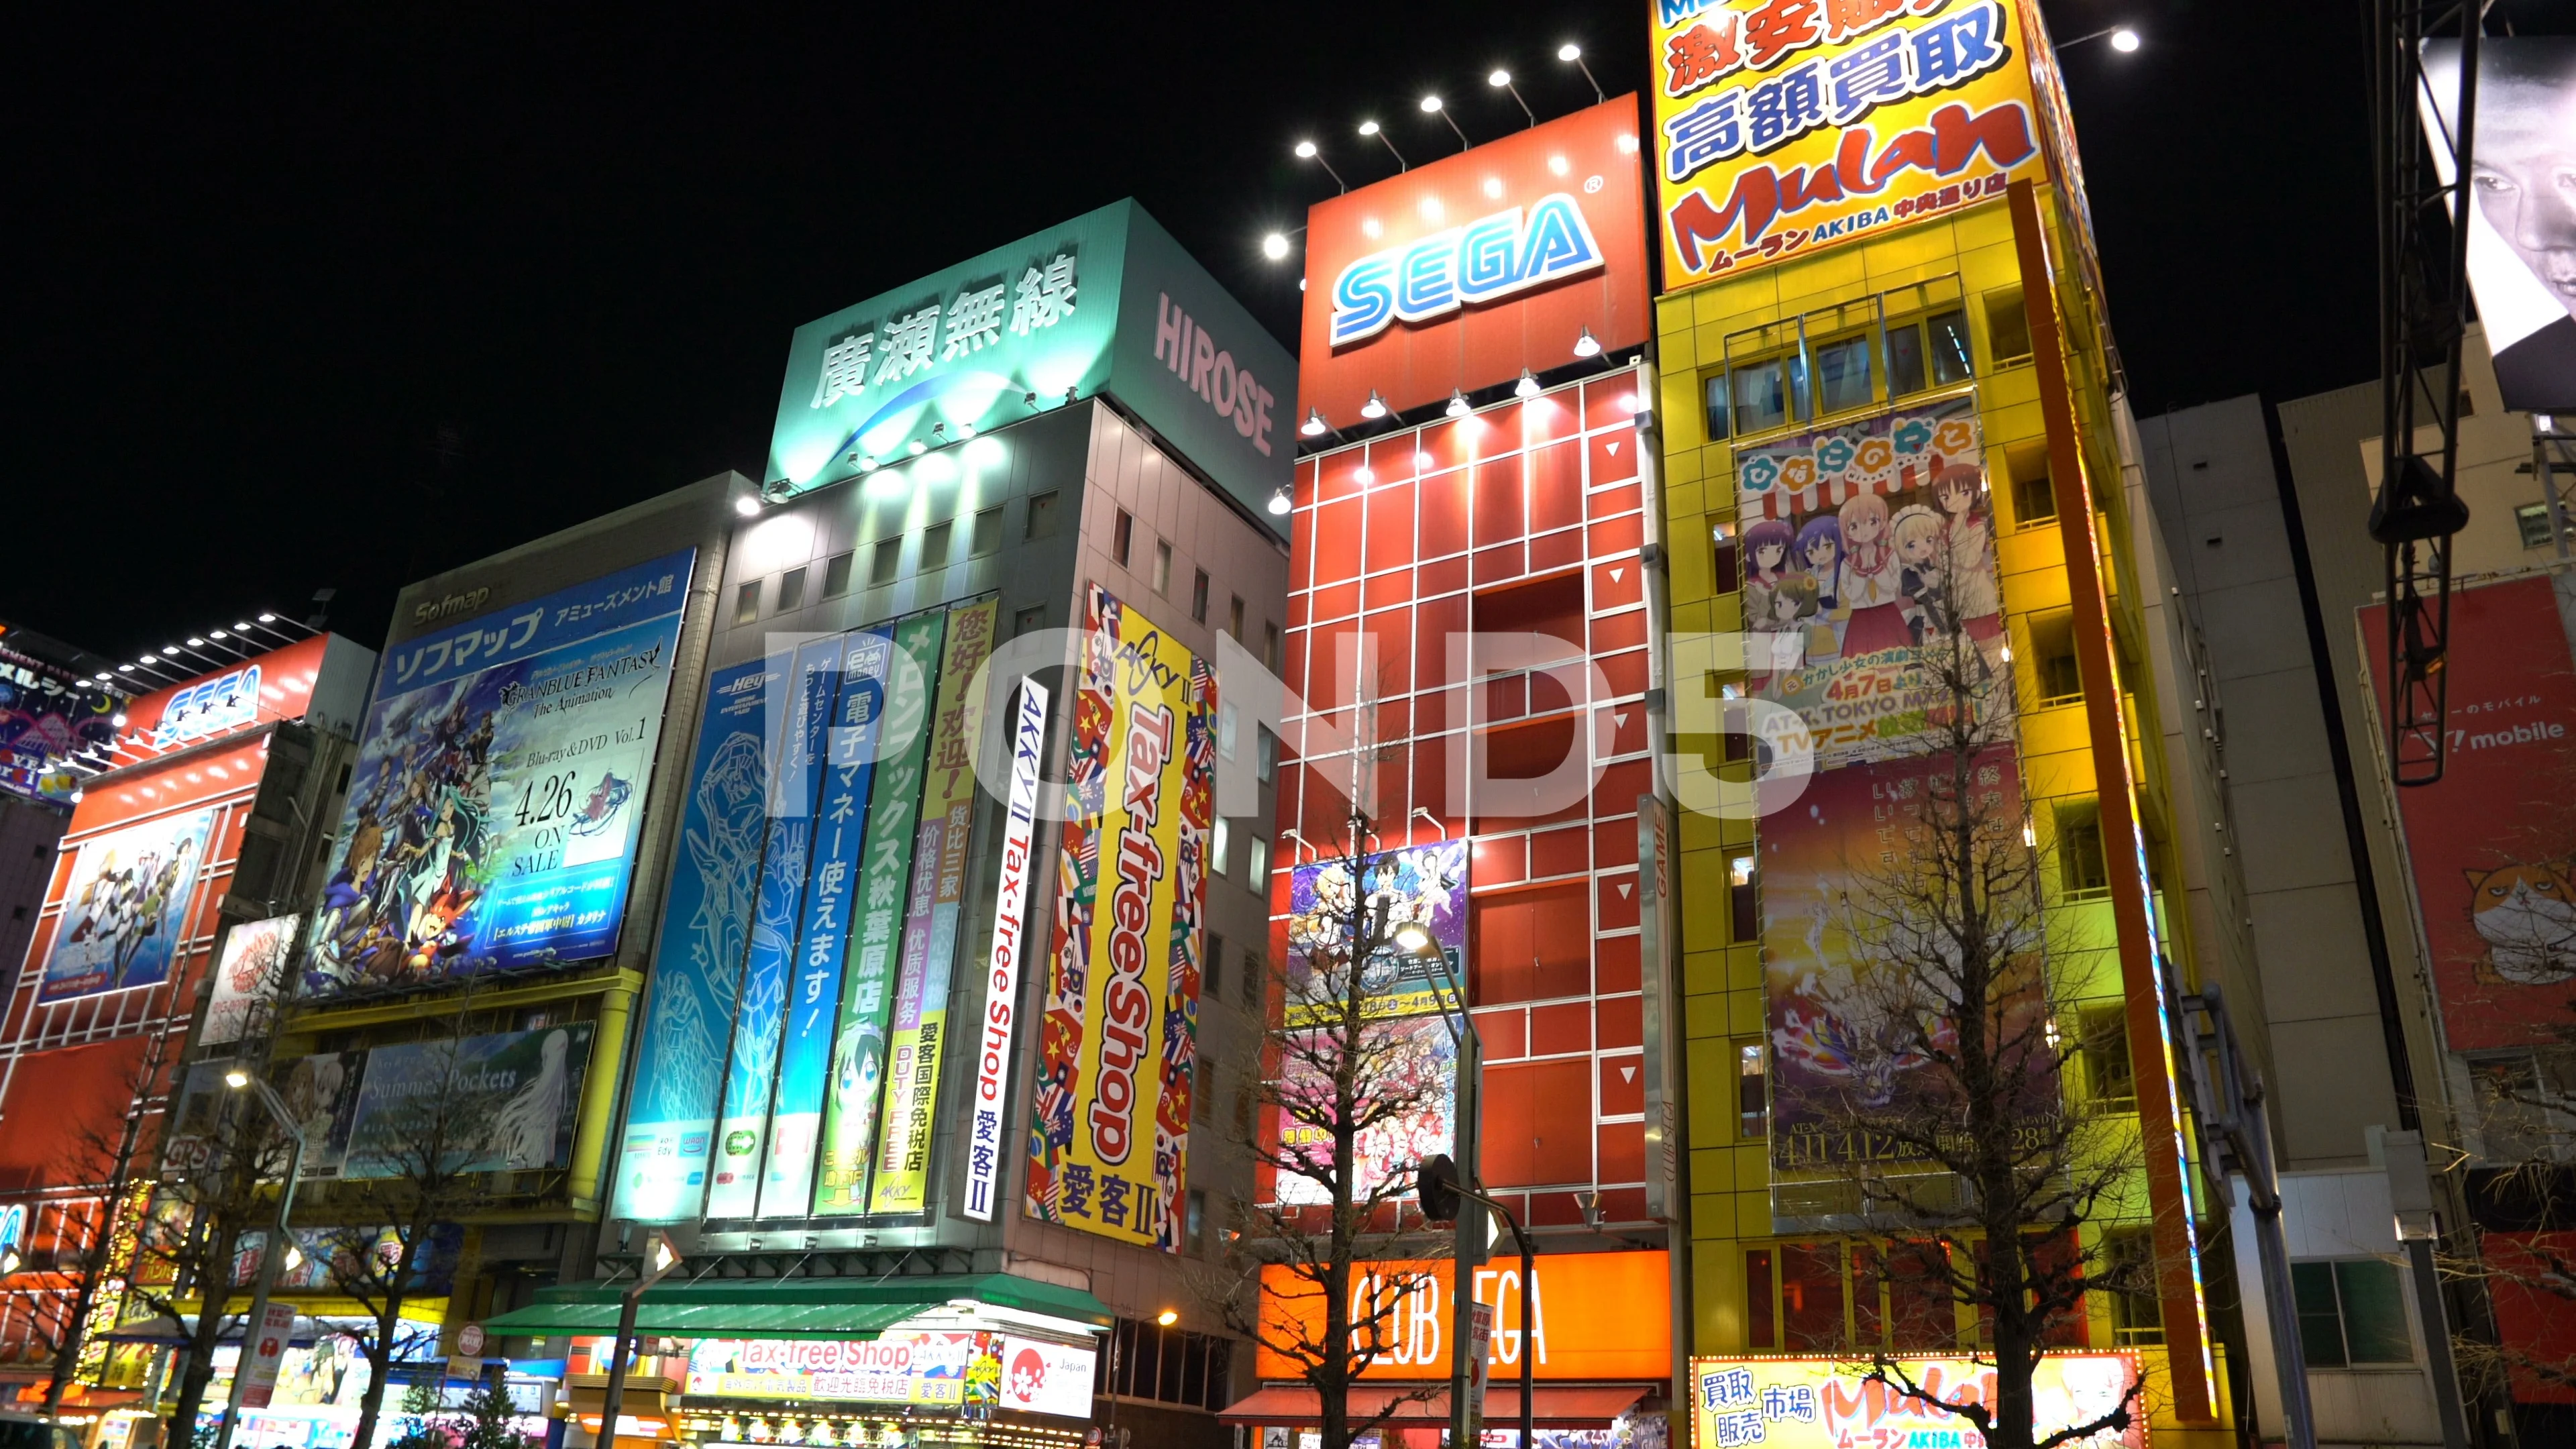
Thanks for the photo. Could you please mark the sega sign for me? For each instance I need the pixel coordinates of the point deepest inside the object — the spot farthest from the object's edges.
(1458, 274)
(210, 707)
(1486, 260)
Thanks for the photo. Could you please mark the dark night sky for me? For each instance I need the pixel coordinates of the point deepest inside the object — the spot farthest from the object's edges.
(342, 298)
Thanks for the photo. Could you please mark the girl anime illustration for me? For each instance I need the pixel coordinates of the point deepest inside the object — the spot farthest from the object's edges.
(1820, 548)
(1870, 584)
(1782, 627)
(1924, 573)
(1767, 546)
(1960, 490)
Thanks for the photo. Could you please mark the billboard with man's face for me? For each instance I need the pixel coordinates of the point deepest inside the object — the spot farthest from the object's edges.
(2522, 231)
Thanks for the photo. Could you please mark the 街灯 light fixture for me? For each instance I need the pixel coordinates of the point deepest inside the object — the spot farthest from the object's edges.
(1371, 128)
(867, 462)
(1308, 151)
(1527, 386)
(1457, 403)
(1375, 407)
(1167, 1317)
(746, 505)
(1573, 55)
(2124, 40)
(1279, 503)
(916, 447)
(1431, 107)
(1313, 427)
(1586, 345)
(1274, 246)
(1501, 80)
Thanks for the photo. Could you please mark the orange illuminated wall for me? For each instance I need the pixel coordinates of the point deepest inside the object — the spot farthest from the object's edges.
(1524, 518)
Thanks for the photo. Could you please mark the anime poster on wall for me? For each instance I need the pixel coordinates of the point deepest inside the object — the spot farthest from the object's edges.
(1835, 915)
(499, 1103)
(1118, 1044)
(249, 973)
(127, 906)
(1864, 543)
(493, 813)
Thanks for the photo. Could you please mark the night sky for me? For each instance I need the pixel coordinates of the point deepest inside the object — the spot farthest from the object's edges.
(340, 298)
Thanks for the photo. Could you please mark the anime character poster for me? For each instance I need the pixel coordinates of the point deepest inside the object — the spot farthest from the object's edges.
(1844, 1041)
(505, 1102)
(2492, 844)
(1863, 543)
(249, 972)
(1410, 1047)
(697, 961)
(321, 1092)
(1109, 1134)
(492, 816)
(126, 907)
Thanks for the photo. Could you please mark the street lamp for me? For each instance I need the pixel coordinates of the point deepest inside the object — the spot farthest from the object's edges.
(1308, 151)
(1501, 80)
(1431, 107)
(1573, 53)
(1439, 1176)
(1371, 128)
(1468, 1247)
(2123, 39)
(659, 1259)
(273, 1253)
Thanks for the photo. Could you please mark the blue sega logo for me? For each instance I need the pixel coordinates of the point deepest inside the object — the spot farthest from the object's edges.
(1487, 259)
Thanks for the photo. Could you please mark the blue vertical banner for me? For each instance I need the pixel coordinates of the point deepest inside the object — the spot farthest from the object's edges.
(805, 698)
(697, 962)
(814, 991)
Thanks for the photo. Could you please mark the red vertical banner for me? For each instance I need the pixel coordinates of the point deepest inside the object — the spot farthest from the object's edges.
(2491, 846)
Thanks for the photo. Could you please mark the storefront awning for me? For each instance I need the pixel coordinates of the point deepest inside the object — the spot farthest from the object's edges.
(1585, 1407)
(847, 1308)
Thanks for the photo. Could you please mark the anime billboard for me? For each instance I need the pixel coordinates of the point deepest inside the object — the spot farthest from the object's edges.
(126, 907)
(1413, 1052)
(2492, 845)
(1844, 1042)
(492, 817)
(47, 713)
(248, 975)
(1109, 1136)
(1864, 542)
(2522, 234)
(499, 1103)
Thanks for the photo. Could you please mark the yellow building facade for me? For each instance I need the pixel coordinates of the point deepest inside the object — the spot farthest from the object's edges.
(1844, 275)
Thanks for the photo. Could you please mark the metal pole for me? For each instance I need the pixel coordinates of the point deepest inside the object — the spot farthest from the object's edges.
(269, 1258)
(1529, 1317)
(612, 1398)
(1469, 1251)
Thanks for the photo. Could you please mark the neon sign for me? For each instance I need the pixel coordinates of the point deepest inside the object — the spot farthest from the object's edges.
(1485, 260)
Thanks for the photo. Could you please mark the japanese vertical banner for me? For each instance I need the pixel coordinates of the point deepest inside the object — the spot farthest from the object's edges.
(939, 874)
(885, 868)
(1109, 1136)
(847, 763)
(1784, 127)
(1002, 986)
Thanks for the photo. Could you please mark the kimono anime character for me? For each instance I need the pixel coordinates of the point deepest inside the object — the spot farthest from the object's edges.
(1870, 587)
(1960, 490)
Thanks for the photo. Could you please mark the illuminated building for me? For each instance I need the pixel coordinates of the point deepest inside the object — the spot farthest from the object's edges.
(1904, 280)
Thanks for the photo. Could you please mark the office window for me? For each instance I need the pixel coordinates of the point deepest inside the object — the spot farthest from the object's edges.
(1905, 372)
(1266, 752)
(1744, 899)
(1752, 1092)
(1217, 843)
(836, 574)
(746, 603)
(2531, 520)
(1234, 618)
(885, 561)
(2007, 326)
(2052, 651)
(1713, 402)
(1122, 537)
(2034, 496)
(1765, 394)
(1212, 970)
(1257, 873)
(1945, 336)
(1253, 986)
(2350, 1313)
(791, 590)
(1196, 1226)
(1270, 647)
(1728, 575)
(1163, 568)
(1198, 596)
(1842, 374)
(1811, 1295)
(934, 544)
(1042, 515)
(2103, 1047)
(988, 533)
(1032, 617)
(2129, 1262)
(2081, 868)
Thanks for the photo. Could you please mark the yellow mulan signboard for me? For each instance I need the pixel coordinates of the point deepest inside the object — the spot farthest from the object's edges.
(1784, 126)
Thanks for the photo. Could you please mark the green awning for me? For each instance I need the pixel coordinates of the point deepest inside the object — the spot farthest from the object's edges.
(856, 1308)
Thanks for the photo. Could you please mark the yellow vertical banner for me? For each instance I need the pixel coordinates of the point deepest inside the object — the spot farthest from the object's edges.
(1109, 1137)
(939, 874)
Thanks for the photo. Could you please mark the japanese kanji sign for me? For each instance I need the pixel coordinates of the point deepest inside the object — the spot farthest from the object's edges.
(1783, 126)
(1825, 1403)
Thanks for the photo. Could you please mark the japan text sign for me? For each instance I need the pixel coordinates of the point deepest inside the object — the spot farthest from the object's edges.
(1824, 1403)
(989, 1111)
(1783, 126)
(1459, 273)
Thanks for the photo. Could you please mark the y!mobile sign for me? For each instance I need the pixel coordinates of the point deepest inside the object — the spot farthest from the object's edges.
(1010, 913)
(1460, 273)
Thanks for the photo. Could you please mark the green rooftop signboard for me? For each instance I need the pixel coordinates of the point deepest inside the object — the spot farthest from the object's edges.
(1106, 303)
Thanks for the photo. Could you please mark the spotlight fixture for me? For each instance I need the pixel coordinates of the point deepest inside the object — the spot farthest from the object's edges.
(867, 462)
(916, 447)
(1374, 408)
(1501, 80)
(1431, 107)
(1305, 150)
(1457, 403)
(965, 430)
(1314, 425)
(1368, 128)
(1586, 345)
(1371, 128)
(268, 618)
(1527, 386)
(1279, 503)
(1274, 246)
(2124, 40)
(1308, 151)
(1573, 55)
(746, 505)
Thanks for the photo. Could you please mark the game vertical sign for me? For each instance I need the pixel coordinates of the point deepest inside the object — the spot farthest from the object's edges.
(697, 961)
(814, 993)
(939, 879)
(885, 869)
(1109, 1135)
(1002, 986)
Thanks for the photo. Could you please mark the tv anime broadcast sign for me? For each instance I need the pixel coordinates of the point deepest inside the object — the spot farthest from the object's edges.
(1109, 1135)
(127, 906)
(501, 774)
(1460, 272)
(1826, 1403)
(1786, 126)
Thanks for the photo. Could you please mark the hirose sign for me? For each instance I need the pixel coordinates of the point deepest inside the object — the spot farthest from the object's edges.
(1458, 274)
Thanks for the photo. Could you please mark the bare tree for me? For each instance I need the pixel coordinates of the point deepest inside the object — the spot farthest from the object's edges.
(1947, 1063)
(90, 1255)
(1340, 1084)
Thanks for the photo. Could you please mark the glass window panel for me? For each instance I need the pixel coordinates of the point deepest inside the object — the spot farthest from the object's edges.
(1761, 396)
(836, 575)
(1811, 1294)
(1842, 375)
(1713, 395)
(1904, 360)
(791, 590)
(988, 531)
(2374, 1313)
(2312, 1285)
(1948, 336)
(1758, 1327)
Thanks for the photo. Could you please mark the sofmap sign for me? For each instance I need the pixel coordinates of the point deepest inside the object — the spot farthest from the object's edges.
(1104, 303)
(1458, 274)
(1781, 128)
